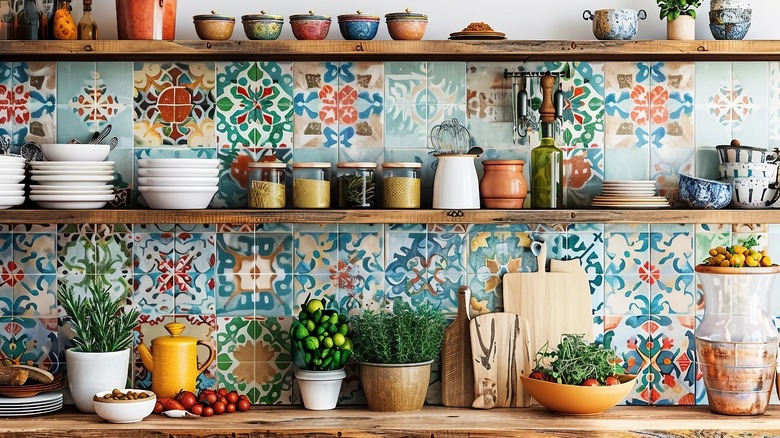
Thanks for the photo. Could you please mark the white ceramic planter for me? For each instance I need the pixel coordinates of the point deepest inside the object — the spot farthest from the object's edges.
(90, 373)
(681, 28)
(320, 390)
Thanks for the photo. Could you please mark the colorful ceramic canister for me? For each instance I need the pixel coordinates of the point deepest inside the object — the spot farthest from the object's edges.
(406, 25)
(358, 26)
(214, 26)
(262, 26)
(614, 24)
(310, 26)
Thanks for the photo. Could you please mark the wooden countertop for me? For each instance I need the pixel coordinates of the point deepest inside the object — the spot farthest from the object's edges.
(432, 421)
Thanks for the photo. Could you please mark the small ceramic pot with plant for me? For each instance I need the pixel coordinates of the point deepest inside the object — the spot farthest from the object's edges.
(321, 347)
(680, 16)
(395, 349)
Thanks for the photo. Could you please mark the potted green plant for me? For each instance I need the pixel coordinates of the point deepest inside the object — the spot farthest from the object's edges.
(99, 359)
(680, 16)
(395, 350)
(321, 347)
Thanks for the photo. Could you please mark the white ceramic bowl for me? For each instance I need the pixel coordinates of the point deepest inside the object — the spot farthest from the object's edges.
(70, 165)
(54, 188)
(83, 180)
(13, 171)
(174, 172)
(177, 182)
(178, 162)
(124, 411)
(6, 187)
(75, 151)
(748, 170)
(74, 173)
(12, 200)
(11, 179)
(11, 192)
(15, 160)
(178, 198)
(753, 193)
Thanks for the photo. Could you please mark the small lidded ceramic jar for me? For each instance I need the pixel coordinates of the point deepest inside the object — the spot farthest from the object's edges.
(401, 184)
(266, 185)
(310, 26)
(262, 26)
(311, 185)
(358, 26)
(214, 26)
(406, 25)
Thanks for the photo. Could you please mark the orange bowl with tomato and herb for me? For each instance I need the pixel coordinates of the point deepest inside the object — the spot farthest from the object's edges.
(578, 378)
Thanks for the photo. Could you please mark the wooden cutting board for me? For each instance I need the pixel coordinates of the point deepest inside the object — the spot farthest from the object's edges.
(457, 372)
(554, 303)
(500, 354)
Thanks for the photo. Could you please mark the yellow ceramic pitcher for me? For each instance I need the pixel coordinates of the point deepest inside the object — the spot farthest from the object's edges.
(175, 363)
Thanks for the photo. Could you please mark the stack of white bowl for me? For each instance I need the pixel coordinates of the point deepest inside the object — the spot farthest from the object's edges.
(11, 180)
(753, 173)
(178, 183)
(74, 177)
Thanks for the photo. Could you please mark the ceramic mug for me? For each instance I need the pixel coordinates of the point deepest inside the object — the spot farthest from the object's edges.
(614, 24)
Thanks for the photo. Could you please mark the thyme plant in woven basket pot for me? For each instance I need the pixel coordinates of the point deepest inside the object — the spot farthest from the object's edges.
(99, 358)
(395, 350)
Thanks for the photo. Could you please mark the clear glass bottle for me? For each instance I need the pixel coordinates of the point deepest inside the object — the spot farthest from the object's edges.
(31, 22)
(6, 20)
(266, 186)
(401, 183)
(311, 185)
(547, 172)
(357, 185)
(87, 27)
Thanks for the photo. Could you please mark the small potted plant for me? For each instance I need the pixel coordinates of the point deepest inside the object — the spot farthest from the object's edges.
(680, 16)
(99, 359)
(321, 347)
(395, 350)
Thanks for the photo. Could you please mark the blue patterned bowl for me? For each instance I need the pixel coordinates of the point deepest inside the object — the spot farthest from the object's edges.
(704, 193)
(729, 31)
(358, 26)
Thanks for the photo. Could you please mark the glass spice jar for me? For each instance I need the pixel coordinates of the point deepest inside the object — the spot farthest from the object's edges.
(311, 185)
(266, 185)
(401, 185)
(357, 185)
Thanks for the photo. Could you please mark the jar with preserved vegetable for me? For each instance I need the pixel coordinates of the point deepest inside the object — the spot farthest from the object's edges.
(357, 185)
(401, 185)
(311, 185)
(266, 185)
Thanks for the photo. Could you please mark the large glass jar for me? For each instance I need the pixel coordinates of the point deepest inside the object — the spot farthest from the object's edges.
(311, 185)
(357, 185)
(266, 185)
(401, 185)
(546, 175)
(736, 341)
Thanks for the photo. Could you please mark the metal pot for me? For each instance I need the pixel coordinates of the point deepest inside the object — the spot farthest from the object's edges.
(614, 24)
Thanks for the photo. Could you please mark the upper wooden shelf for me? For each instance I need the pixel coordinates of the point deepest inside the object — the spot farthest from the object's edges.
(336, 50)
(381, 216)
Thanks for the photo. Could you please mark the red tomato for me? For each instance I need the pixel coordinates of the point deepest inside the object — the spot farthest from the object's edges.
(243, 405)
(590, 382)
(232, 397)
(243, 397)
(210, 398)
(219, 408)
(611, 380)
(208, 411)
(158, 408)
(222, 392)
(222, 400)
(230, 408)
(197, 409)
(187, 399)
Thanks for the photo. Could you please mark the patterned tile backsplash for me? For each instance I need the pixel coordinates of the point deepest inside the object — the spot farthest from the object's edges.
(239, 286)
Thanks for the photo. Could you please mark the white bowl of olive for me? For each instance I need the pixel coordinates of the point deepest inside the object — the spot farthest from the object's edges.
(124, 405)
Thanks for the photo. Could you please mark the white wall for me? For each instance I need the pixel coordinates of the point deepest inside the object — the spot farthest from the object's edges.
(519, 19)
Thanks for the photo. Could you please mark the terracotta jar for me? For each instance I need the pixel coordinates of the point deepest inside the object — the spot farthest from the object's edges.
(503, 184)
(146, 19)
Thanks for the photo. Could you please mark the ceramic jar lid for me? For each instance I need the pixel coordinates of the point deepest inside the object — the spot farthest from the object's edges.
(214, 15)
(358, 17)
(266, 165)
(262, 16)
(310, 16)
(408, 15)
(356, 165)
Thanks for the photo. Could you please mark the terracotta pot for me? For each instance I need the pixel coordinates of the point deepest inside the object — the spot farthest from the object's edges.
(395, 387)
(681, 28)
(503, 184)
(146, 19)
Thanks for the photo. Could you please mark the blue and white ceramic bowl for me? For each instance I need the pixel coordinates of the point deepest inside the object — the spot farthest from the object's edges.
(358, 26)
(704, 193)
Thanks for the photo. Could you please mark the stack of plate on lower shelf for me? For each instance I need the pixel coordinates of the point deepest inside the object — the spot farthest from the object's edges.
(629, 194)
(72, 184)
(11, 180)
(43, 403)
(178, 183)
(32, 389)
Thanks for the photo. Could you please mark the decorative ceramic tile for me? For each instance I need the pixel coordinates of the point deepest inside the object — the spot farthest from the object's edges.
(233, 181)
(114, 256)
(584, 169)
(589, 249)
(671, 248)
(30, 341)
(489, 105)
(628, 336)
(672, 353)
(629, 294)
(713, 97)
(673, 294)
(754, 127)
(315, 253)
(254, 104)
(28, 102)
(755, 80)
(153, 276)
(236, 339)
(36, 296)
(671, 104)
(76, 254)
(35, 253)
(446, 83)
(320, 286)
(494, 253)
(174, 104)
(360, 265)
(626, 252)
(447, 255)
(7, 101)
(194, 288)
(235, 294)
(235, 253)
(274, 294)
(583, 112)
(615, 158)
(774, 126)
(360, 104)
(406, 126)
(626, 103)
(406, 83)
(315, 105)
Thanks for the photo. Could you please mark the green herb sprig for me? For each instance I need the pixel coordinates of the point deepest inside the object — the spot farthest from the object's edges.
(576, 360)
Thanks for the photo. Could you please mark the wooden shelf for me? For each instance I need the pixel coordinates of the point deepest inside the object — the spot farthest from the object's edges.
(432, 421)
(425, 50)
(380, 216)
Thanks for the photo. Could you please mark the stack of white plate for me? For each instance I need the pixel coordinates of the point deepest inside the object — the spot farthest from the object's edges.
(11, 180)
(629, 194)
(72, 184)
(35, 405)
(178, 183)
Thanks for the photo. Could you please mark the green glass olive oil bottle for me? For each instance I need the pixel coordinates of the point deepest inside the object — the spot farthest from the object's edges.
(547, 159)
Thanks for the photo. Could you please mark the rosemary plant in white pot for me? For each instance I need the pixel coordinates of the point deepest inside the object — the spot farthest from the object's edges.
(99, 358)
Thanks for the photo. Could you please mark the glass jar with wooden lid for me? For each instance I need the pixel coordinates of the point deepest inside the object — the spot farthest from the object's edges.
(357, 185)
(401, 184)
(266, 184)
(311, 185)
